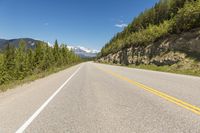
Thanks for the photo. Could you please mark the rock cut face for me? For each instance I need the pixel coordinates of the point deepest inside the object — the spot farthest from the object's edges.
(167, 51)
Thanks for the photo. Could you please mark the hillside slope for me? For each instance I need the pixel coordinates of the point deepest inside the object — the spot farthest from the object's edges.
(30, 43)
(179, 51)
(172, 40)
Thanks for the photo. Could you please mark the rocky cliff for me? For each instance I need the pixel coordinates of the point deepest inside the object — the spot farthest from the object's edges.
(173, 49)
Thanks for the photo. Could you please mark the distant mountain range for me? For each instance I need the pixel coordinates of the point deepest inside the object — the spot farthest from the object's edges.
(83, 52)
(30, 43)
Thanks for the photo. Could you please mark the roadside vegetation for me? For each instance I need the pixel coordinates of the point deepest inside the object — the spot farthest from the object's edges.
(166, 17)
(22, 64)
(176, 68)
(170, 69)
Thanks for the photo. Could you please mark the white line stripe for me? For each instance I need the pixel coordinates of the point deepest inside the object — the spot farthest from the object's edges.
(28, 122)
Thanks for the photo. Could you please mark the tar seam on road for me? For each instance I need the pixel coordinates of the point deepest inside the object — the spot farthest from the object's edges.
(167, 97)
(29, 121)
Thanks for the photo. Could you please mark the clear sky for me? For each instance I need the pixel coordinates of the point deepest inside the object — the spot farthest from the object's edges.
(88, 23)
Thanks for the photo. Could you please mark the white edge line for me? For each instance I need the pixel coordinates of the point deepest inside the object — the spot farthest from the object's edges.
(29, 121)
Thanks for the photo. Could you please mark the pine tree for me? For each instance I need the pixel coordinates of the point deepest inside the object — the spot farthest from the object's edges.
(17, 63)
(20, 60)
(29, 61)
(9, 62)
(56, 52)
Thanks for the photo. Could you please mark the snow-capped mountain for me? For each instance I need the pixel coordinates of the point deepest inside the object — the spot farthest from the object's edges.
(83, 52)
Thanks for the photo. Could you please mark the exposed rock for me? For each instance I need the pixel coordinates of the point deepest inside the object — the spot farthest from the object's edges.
(168, 51)
(168, 59)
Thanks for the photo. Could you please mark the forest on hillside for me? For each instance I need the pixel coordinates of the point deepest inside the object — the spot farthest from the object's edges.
(166, 17)
(18, 63)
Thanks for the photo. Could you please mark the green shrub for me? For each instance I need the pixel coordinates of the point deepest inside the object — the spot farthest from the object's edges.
(187, 17)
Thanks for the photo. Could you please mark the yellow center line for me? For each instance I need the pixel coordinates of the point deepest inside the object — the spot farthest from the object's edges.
(167, 97)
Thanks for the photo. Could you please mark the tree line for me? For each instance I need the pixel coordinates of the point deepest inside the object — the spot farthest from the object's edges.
(166, 17)
(18, 63)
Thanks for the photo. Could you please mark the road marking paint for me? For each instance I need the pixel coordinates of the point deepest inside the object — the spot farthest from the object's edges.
(167, 97)
(29, 121)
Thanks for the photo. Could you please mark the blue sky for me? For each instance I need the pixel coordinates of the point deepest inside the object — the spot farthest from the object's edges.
(88, 23)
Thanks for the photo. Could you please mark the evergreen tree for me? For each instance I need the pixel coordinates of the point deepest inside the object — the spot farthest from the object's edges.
(166, 17)
(9, 62)
(20, 60)
(18, 63)
(56, 52)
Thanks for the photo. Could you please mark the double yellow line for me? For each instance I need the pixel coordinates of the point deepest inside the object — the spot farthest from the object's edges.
(178, 102)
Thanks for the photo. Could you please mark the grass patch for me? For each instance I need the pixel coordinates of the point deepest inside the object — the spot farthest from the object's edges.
(33, 77)
(193, 70)
(170, 69)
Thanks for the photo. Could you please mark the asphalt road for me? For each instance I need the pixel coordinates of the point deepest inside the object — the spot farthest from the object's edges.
(98, 98)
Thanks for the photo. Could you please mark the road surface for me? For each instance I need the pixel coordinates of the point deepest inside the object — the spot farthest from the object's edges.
(98, 98)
